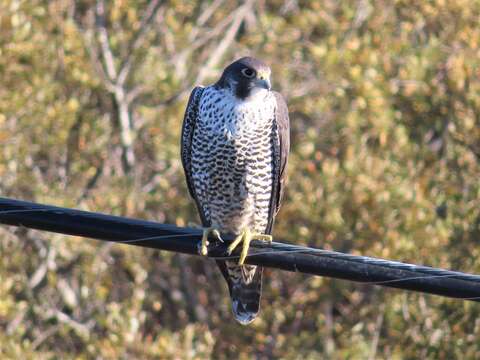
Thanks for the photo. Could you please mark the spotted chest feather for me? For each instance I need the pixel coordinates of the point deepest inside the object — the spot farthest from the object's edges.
(232, 159)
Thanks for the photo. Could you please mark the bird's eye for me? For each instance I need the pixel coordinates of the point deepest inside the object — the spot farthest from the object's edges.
(248, 73)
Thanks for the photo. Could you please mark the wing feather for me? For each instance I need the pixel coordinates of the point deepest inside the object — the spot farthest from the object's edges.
(188, 129)
(281, 146)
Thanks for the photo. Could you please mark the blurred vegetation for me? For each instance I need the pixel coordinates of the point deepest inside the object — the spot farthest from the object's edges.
(385, 111)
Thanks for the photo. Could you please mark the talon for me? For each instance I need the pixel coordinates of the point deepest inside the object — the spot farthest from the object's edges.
(235, 242)
(246, 236)
(206, 232)
(246, 244)
(216, 234)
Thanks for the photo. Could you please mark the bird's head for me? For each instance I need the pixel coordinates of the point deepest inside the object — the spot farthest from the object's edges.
(246, 77)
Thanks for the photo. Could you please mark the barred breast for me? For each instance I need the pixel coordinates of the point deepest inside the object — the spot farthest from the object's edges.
(232, 149)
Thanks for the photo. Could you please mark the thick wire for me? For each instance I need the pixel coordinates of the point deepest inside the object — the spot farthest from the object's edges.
(424, 272)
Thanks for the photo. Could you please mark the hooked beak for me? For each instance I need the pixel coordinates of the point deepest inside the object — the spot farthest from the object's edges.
(263, 83)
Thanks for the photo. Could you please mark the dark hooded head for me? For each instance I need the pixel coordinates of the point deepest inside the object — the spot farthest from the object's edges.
(246, 77)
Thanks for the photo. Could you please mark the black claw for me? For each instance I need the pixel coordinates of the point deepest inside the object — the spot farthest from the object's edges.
(212, 237)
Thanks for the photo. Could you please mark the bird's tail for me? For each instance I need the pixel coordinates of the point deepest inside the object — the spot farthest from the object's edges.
(245, 286)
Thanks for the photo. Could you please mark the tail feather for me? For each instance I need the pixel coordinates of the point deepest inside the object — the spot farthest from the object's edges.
(245, 287)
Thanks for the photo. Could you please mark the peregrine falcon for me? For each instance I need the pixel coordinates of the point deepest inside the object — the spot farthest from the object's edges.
(234, 148)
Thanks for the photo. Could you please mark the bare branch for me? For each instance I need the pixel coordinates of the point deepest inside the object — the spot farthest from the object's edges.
(203, 18)
(44, 336)
(82, 330)
(138, 39)
(103, 39)
(125, 122)
(135, 92)
(217, 30)
(16, 321)
(376, 336)
(222, 47)
(92, 50)
(41, 272)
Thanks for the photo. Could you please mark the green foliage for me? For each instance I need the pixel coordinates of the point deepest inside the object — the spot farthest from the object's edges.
(385, 111)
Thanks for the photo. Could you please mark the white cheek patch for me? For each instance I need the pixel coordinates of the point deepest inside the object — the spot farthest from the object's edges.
(258, 94)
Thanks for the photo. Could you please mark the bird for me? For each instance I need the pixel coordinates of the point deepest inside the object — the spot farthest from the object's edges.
(234, 148)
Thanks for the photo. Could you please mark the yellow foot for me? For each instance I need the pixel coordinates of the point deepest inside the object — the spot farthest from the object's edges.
(206, 233)
(246, 236)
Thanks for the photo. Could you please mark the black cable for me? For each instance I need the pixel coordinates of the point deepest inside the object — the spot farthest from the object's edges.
(276, 255)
